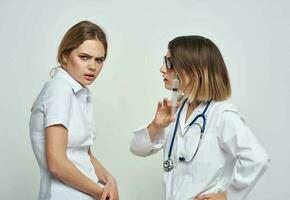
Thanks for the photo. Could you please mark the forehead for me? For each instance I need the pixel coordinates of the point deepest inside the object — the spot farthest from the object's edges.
(91, 47)
(168, 55)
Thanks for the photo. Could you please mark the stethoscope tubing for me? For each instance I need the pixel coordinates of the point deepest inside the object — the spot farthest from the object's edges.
(202, 115)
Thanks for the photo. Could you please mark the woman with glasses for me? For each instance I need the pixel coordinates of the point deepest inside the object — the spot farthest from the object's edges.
(62, 124)
(209, 152)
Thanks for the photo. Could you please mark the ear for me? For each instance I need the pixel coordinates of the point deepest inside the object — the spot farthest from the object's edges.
(64, 58)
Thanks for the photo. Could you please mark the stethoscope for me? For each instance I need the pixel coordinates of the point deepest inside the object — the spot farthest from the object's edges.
(168, 164)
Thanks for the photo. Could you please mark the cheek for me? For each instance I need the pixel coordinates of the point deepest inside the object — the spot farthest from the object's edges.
(184, 81)
(99, 68)
(76, 62)
(77, 65)
(172, 75)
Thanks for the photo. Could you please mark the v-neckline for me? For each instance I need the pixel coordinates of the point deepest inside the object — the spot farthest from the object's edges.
(189, 116)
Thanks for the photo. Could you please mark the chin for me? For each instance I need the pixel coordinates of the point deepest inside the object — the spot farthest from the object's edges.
(168, 87)
(87, 82)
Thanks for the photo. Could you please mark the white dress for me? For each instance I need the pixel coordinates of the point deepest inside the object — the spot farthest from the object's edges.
(63, 101)
(229, 157)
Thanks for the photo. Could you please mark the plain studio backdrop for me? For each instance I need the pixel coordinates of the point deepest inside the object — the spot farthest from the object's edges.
(253, 36)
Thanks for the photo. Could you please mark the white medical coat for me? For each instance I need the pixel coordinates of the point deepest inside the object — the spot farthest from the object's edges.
(229, 157)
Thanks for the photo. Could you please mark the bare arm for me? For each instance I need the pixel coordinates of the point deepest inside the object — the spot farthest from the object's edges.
(62, 168)
(100, 170)
(110, 189)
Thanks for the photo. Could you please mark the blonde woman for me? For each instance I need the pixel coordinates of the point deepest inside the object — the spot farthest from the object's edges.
(209, 152)
(62, 125)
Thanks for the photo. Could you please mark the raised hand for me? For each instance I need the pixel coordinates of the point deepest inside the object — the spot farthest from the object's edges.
(163, 116)
(162, 119)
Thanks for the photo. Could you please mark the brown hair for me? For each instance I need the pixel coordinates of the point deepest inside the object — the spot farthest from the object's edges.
(77, 34)
(201, 67)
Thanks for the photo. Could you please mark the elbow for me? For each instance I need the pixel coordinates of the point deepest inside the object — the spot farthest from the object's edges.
(134, 149)
(55, 168)
(263, 160)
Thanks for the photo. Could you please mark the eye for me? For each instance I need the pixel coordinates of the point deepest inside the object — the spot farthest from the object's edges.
(83, 57)
(100, 60)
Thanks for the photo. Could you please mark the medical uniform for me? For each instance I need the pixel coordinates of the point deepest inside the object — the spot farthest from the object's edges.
(229, 157)
(63, 101)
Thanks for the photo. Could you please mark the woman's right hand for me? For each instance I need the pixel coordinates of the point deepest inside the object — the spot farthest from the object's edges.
(163, 116)
(109, 191)
(162, 119)
(104, 194)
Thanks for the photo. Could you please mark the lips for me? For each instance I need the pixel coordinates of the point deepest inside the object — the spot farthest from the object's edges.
(89, 76)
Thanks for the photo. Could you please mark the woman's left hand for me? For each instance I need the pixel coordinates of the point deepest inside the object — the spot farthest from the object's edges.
(213, 196)
(112, 186)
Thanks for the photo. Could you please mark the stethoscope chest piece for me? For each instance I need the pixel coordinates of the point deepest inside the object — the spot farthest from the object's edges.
(168, 165)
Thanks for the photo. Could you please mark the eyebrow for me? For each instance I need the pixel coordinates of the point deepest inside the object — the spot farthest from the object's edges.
(102, 57)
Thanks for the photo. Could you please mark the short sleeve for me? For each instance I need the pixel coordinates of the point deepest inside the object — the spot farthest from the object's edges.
(57, 104)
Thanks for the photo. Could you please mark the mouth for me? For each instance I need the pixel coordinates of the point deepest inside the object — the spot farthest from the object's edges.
(165, 79)
(89, 77)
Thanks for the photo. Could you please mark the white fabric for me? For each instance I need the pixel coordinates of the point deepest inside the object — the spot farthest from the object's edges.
(63, 101)
(229, 158)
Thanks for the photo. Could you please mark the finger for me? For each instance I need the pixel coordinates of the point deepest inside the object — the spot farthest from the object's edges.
(117, 195)
(109, 196)
(201, 198)
(169, 103)
(104, 195)
(159, 105)
(165, 100)
(172, 118)
(204, 196)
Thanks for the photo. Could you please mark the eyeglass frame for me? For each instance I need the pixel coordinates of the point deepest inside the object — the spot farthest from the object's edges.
(168, 63)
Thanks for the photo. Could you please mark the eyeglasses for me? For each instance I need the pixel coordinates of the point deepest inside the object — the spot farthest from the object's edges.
(167, 63)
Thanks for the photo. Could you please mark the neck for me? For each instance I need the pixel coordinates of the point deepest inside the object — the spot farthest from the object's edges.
(193, 104)
(191, 107)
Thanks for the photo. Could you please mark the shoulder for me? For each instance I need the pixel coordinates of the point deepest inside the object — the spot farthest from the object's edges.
(224, 106)
(58, 85)
(58, 91)
(59, 82)
(226, 112)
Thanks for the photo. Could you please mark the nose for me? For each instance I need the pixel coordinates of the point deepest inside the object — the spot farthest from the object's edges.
(92, 66)
(163, 69)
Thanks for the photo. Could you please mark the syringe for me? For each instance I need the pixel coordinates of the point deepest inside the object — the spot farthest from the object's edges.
(175, 86)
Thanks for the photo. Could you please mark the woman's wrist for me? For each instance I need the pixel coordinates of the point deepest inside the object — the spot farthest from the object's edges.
(106, 178)
(110, 178)
(155, 126)
(154, 129)
(98, 192)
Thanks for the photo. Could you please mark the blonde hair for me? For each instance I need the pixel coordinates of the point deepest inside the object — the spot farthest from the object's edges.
(79, 33)
(201, 68)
